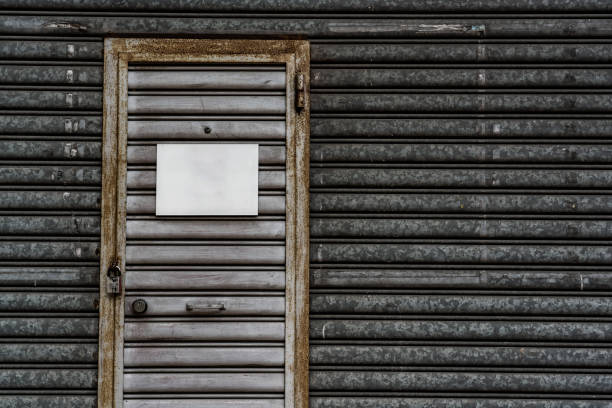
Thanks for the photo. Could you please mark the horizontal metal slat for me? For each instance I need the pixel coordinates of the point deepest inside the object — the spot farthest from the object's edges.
(203, 382)
(461, 103)
(49, 302)
(49, 327)
(478, 356)
(426, 330)
(67, 50)
(50, 75)
(204, 280)
(377, 6)
(49, 276)
(48, 401)
(145, 179)
(203, 403)
(460, 78)
(50, 225)
(51, 100)
(50, 175)
(468, 304)
(48, 353)
(536, 203)
(148, 154)
(460, 382)
(49, 200)
(198, 105)
(204, 356)
(48, 378)
(369, 278)
(204, 229)
(48, 251)
(203, 254)
(459, 153)
(530, 53)
(459, 228)
(522, 128)
(44, 150)
(145, 204)
(459, 178)
(455, 402)
(537, 254)
(312, 28)
(239, 80)
(44, 124)
(204, 331)
(206, 129)
(197, 306)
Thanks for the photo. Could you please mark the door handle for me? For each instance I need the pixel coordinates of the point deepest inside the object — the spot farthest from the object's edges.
(205, 308)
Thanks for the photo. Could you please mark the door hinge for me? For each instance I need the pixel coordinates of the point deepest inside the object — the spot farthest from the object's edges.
(300, 92)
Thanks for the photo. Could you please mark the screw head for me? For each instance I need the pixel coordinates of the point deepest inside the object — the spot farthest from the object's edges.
(139, 306)
(207, 129)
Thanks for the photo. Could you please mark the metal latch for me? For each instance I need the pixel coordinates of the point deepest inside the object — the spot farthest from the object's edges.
(205, 308)
(113, 281)
(300, 92)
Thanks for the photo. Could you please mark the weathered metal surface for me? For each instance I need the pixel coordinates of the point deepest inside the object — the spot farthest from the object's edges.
(211, 331)
(205, 280)
(477, 330)
(46, 124)
(249, 305)
(510, 153)
(489, 228)
(50, 250)
(460, 382)
(206, 229)
(206, 105)
(244, 80)
(48, 353)
(34, 50)
(43, 150)
(50, 225)
(461, 103)
(459, 178)
(204, 254)
(467, 304)
(511, 53)
(464, 278)
(204, 382)
(41, 276)
(48, 302)
(296, 26)
(48, 401)
(51, 100)
(206, 129)
(50, 175)
(443, 127)
(489, 202)
(146, 154)
(490, 253)
(15, 378)
(461, 78)
(145, 204)
(448, 402)
(378, 6)
(460, 356)
(204, 356)
(50, 75)
(49, 200)
(49, 327)
(204, 403)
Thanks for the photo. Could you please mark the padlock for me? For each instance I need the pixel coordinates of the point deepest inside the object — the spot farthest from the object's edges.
(113, 285)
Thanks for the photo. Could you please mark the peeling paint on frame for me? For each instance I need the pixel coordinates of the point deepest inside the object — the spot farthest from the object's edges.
(295, 54)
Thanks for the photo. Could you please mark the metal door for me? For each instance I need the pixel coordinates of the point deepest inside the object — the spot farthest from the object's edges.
(208, 295)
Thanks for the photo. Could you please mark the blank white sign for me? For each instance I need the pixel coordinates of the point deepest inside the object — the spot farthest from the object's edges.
(207, 179)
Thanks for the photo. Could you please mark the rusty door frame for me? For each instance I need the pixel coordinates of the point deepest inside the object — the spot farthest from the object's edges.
(295, 55)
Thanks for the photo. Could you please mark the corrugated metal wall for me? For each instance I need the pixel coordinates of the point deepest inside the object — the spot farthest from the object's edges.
(460, 181)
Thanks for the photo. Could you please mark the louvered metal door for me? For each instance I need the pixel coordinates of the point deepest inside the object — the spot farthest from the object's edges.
(213, 330)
